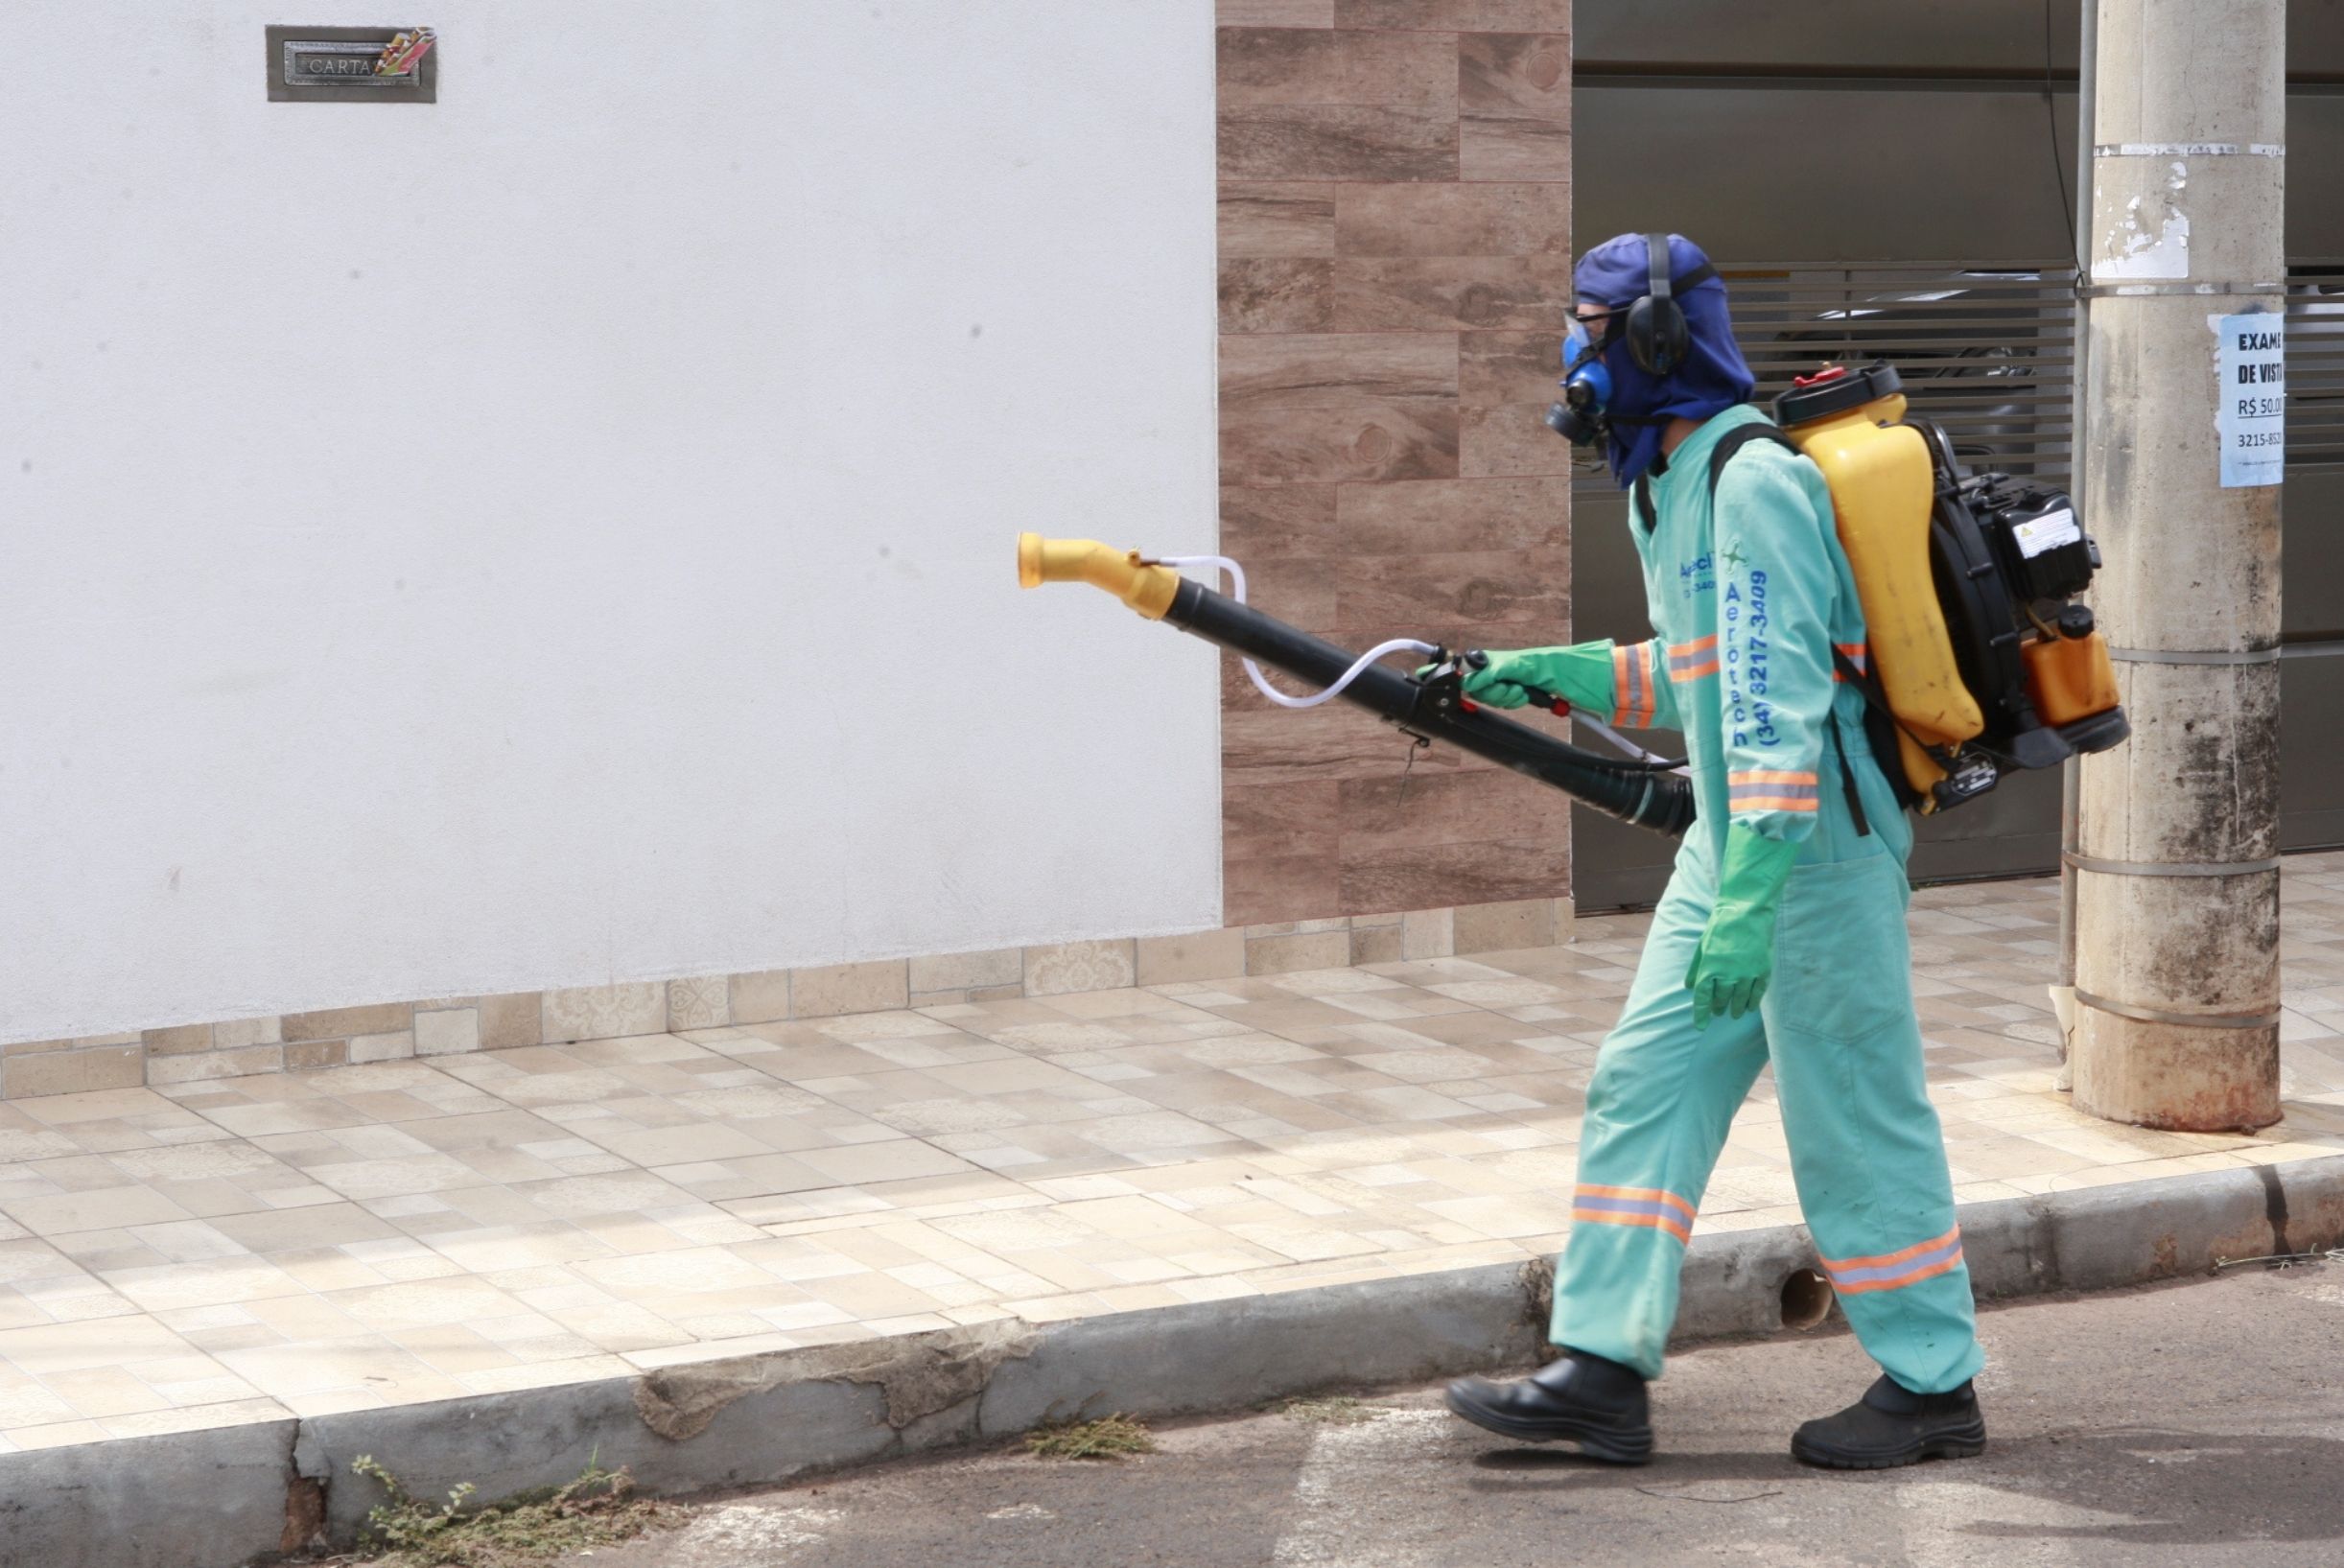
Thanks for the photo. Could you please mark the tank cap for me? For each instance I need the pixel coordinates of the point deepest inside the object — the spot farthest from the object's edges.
(1835, 389)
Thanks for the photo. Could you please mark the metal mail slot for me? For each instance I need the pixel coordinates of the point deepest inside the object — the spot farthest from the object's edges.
(322, 63)
(344, 64)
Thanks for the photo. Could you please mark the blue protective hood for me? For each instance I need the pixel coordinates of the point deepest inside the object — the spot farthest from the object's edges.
(1714, 376)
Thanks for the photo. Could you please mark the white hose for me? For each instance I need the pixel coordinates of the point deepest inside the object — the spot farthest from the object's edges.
(1236, 577)
(1398, 645)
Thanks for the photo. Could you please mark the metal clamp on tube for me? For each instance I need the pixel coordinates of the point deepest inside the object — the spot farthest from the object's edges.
(1640, 793)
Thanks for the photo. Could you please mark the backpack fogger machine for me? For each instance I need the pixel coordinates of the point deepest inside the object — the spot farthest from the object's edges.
(1980, 662)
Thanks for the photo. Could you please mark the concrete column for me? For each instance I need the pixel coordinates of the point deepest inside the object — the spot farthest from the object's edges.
(2177, 963)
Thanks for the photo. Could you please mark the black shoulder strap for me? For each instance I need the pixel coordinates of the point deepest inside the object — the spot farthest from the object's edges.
(1881, 729)
(1731, 442)
(1738, 437)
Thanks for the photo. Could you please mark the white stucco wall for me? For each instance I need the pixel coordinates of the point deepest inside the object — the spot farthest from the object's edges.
(563, 534)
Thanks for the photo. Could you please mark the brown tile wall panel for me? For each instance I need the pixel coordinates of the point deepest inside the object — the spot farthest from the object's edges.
(1302, 369)
(1383, 816)
(1281, 848)
(1516, 106)
(1448, 294)
(1395, 234)
(1309, 407)
(1338, 141)
(1505, 380)
(1522, 76)
(1271, 218)
(1274, 13)
(1494, 220)
(1363, 439)
(1520, 597)
(1483, 515)
(1277, 294)
(1293, 588)
(1262, 745)
(1486, 871)
(1260, 522)
(1500, 368)
(1516, 149)
(1260, 67)
(1511, 439)
(1457, 16)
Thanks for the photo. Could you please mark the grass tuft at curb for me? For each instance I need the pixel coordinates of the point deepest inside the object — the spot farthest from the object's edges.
(598, 1508)
(1110, 1438)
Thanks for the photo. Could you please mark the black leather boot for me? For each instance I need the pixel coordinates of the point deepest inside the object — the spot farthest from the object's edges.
(1892, 1425)
(1595, 1403)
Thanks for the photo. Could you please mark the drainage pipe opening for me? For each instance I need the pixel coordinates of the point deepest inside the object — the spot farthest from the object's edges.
(1806, 1300)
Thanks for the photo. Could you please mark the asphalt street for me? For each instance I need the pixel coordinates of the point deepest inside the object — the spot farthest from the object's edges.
(2197, 1424)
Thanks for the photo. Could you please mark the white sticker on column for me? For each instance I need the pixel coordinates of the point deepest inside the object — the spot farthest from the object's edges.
(2147, 244)
(2250, 365)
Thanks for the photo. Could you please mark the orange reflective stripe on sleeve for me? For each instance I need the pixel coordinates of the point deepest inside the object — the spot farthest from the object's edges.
(1633, 701)
(1770, 791)
(1690, 661)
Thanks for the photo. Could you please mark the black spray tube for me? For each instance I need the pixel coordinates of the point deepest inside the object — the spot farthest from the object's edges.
(1646, 797)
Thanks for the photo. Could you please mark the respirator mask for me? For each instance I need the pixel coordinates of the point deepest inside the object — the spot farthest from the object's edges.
(1584, 416)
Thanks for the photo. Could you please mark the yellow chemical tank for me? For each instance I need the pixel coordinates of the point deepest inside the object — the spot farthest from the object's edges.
(1882, 491)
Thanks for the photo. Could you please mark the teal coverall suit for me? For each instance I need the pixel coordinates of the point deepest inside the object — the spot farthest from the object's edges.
(1747, 607)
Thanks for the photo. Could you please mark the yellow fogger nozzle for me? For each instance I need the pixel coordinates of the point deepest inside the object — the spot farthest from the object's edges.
(1139, 582)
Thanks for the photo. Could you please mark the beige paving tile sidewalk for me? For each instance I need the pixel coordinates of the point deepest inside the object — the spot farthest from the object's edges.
(412, 1231)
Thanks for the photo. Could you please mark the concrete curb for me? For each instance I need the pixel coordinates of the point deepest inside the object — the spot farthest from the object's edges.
(222, 1496)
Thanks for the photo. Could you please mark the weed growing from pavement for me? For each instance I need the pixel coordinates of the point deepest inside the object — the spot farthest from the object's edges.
(598, 1509)
(1341, 1410)
(1114, 1436)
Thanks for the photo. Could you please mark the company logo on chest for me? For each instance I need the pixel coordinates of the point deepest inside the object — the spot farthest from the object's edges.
(1695, 577)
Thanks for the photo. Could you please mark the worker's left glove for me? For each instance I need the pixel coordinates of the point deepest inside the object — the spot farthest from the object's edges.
(1579, 674)
(1736, 955)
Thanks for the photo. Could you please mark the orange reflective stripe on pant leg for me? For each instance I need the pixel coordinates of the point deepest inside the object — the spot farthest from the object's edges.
(1653, 1207)
(1893, 1271)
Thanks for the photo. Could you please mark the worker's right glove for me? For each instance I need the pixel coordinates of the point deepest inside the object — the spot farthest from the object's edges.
(1579, 674)
(1736, 955)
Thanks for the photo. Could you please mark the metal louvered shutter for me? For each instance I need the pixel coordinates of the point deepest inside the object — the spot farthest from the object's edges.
(2315, 362)
(1987, 352)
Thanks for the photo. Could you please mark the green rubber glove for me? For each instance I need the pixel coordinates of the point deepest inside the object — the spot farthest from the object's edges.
(1579, 674)
(1737, 950)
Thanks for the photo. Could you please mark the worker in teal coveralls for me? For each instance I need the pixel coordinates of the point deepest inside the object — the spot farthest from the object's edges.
(1781, 937)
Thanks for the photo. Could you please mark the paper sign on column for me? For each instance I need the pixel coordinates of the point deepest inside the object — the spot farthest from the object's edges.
(2250, 401)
